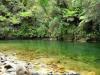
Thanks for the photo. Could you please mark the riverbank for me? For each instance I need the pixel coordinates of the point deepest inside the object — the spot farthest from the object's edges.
(66, 38)
(10, 65)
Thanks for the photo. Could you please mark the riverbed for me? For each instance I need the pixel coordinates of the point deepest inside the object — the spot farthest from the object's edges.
(81, 57)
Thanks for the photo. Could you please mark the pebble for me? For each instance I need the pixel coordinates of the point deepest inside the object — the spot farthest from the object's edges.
(9, 65)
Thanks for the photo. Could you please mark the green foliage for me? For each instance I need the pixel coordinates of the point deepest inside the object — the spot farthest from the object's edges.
(14, 20)
(43, 2)
(26, 14)
(2, 18)
(41, 31)
(68, 13)
(49, 18)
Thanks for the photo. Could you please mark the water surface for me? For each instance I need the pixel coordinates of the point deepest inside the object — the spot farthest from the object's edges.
(88, 53)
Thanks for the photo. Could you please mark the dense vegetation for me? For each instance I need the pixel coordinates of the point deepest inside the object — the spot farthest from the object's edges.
(59, 19)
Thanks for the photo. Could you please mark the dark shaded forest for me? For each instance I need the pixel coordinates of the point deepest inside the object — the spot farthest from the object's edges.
(71, 20)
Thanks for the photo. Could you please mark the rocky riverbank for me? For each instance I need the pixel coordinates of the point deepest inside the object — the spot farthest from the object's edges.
(10, 65)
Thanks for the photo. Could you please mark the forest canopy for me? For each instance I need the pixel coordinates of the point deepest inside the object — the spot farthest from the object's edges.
(61, 19)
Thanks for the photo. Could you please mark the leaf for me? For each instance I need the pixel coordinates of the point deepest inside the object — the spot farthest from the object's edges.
(68, 13)
(2, 18)
(26, 14)
(14, 20)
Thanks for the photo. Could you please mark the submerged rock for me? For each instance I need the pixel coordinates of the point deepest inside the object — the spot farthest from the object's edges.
(72, 73)
(9, 65)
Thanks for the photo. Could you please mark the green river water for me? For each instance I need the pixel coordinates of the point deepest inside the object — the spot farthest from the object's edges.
(88, 53)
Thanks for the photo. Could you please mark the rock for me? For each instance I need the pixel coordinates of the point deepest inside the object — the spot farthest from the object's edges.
(72, 73)
(21, 70)
(50, 73)
(2, 59)
(9, 65)
(1, 70)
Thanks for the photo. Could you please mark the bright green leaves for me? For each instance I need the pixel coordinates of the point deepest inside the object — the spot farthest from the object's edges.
(3, 9)
(2, 18)
(68, 13)
(51, 18)
(26, 14)
(14, 20)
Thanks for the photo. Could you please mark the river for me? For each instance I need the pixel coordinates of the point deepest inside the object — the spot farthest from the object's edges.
(86, 53)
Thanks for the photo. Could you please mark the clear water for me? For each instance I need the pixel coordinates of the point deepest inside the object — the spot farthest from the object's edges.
(85, 52)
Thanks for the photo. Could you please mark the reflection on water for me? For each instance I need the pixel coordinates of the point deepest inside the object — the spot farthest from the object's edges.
(86, 52)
